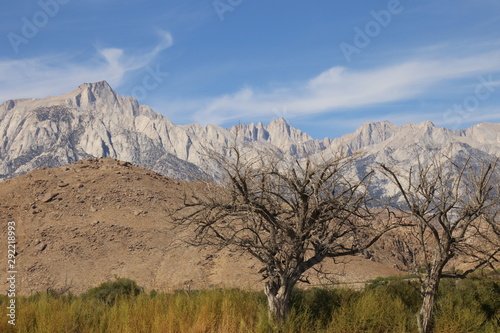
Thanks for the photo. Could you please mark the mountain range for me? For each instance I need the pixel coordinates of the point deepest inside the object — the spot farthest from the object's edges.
(93, 121)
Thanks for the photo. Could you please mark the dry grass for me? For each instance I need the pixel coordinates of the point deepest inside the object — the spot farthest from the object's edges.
(472, 305)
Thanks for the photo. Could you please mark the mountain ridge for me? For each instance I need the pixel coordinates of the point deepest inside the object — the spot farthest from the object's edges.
(93, 121)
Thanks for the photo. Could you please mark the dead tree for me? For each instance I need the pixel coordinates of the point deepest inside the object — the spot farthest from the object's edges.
(289, 215)
(452, 209)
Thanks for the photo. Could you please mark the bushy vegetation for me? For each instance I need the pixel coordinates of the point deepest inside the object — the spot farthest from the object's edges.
(110, 292)
(385, 305)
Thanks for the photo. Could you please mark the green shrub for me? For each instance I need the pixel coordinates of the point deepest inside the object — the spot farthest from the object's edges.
(469, 305)
(319, 302)
(372, 311)
(153, 293)
(397, 287)
(110, 292)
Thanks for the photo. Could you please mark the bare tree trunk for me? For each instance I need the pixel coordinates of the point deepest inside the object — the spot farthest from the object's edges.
(430, 290)
(278, 298)
(426, 315)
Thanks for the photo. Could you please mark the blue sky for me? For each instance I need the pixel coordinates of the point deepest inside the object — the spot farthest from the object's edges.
(326, 66)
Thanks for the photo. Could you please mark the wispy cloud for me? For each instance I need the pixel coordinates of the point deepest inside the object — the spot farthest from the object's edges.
(55, 74)
(340, 88)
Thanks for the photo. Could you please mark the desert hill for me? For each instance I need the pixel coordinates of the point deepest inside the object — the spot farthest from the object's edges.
(82, 224)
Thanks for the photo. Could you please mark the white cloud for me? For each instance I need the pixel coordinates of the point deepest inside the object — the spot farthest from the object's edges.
(339, 88)
(53, 75)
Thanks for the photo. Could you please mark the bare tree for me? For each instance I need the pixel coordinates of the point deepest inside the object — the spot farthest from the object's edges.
(290, 216)
(452, 208)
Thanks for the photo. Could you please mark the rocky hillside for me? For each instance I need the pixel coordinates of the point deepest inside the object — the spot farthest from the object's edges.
(97, 219)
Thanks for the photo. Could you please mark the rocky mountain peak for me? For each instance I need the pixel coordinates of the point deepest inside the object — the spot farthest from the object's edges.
(371, 128)
(278, 133)
(426, 124)
(368, 134)
(99, 89)
(279, 122)
(92, 95)
(96, 86)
